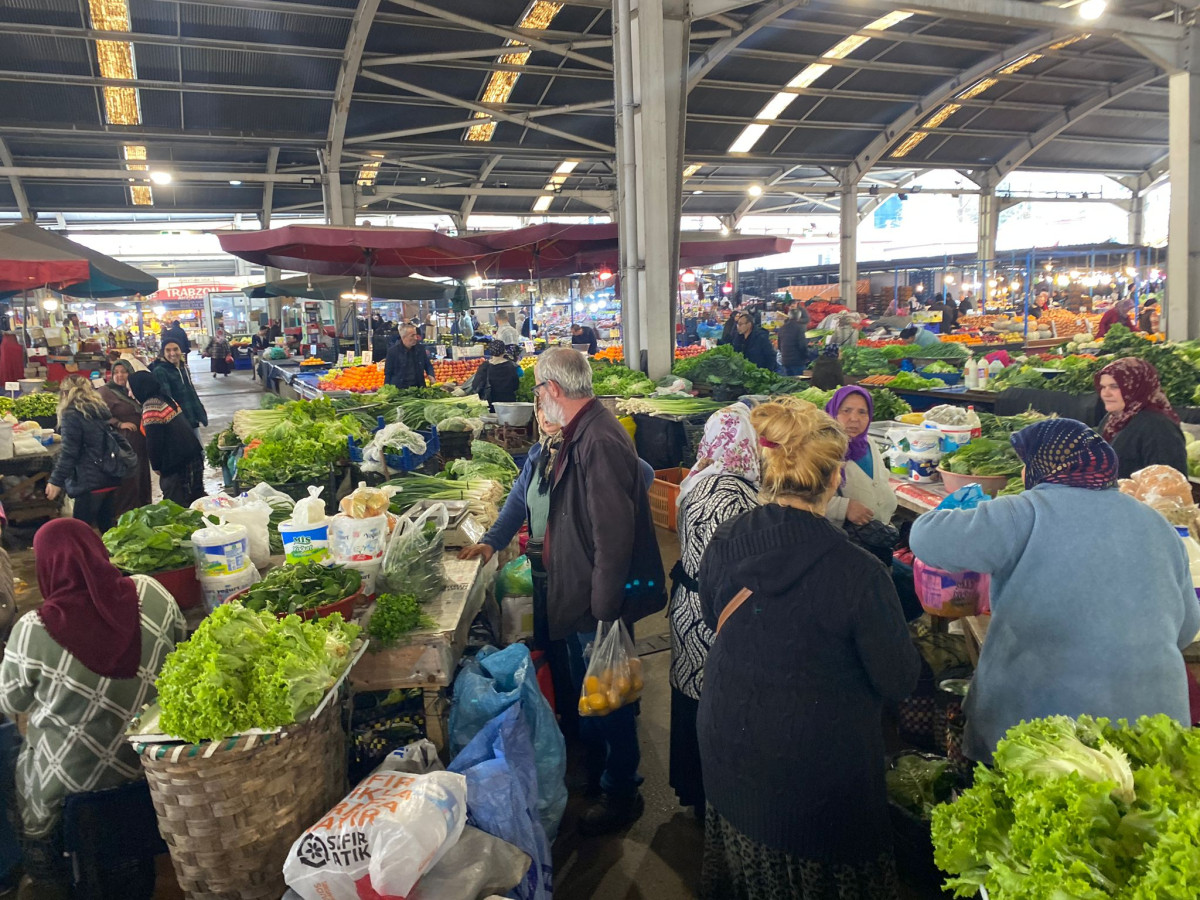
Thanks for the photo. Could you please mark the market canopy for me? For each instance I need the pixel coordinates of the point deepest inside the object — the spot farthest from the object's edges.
(102, 276)
(339, 250)
(547, 250)
(27, 265)
(332, 287)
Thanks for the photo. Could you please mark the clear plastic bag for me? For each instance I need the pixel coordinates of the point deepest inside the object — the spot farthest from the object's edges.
(614, 673)
(413, 563)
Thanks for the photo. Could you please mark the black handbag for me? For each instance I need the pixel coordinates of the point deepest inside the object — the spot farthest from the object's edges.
(117, 459)
(877, 538)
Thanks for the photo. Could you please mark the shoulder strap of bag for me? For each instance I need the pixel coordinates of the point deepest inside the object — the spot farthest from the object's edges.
(739, 598)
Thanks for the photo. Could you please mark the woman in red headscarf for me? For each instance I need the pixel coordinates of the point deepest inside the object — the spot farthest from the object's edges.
(79, 667)
(1139, 422)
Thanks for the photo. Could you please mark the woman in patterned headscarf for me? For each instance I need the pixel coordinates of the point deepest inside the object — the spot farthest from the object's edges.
(1140, 423)
(1101, 636)
(721, 486)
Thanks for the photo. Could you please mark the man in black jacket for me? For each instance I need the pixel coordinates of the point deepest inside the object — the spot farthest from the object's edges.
(602, 561)
(581, 334)
(407, 362)
(754, 343)
(793, 341)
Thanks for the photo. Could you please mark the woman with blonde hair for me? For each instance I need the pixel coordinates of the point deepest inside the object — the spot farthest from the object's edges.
(810, 643)
(83, 422)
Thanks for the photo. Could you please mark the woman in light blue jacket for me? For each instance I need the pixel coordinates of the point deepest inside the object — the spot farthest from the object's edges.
(1092, 599)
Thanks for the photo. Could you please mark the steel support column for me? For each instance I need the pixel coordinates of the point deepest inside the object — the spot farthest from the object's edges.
(651, 42)
(989, 224)
(848, 261)
(1137, 218)
(1183, 252)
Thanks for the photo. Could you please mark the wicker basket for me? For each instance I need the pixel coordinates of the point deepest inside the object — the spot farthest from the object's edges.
(230, 810)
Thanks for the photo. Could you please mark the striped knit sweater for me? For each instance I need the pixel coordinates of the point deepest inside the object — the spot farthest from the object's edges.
(170, 441)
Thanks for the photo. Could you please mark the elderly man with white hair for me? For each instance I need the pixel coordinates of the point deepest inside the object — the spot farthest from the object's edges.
(601, 557)
(407, 363)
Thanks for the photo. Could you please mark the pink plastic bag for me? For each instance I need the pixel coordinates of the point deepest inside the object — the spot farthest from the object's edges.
(952, 595)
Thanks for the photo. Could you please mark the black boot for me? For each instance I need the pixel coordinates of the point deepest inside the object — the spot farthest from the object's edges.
(609, 814)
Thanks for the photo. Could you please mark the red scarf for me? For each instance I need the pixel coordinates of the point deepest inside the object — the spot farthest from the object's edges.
(91, 609)
(1140, 389)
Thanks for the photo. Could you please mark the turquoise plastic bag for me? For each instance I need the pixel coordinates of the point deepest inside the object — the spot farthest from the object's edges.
(488, 685)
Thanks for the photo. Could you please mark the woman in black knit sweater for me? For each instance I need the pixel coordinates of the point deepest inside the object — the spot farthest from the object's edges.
(794, 685)
(174, 451)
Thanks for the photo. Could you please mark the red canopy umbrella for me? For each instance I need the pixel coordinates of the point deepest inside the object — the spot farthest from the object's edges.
(340, 250)
(26, 264)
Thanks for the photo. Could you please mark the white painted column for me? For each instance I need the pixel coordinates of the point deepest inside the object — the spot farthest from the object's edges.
(1183, 252)
(651, 41)
(848, 261)
(989, 224)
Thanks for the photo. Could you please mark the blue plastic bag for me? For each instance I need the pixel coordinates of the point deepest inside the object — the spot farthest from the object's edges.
(502, 795)
(967, 497)
(488, 685)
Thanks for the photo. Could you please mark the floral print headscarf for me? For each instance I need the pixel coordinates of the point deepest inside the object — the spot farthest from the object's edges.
(729, 447)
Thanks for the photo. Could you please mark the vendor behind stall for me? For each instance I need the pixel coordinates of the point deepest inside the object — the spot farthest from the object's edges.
(1090, 591)
(1117, 314)
(753, 342)
(865, 493)
(80, 667)
(919, 337)
(1140, 423)
(497, 380)
(407, 362)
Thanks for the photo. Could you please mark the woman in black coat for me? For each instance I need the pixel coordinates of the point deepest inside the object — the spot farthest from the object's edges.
(810, 643)
(175, 452)
(1140, 422)
(83, 422)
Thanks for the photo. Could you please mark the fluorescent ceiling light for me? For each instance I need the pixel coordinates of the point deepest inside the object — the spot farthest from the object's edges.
(691, 170)
(543, 203)
(235, 183)
(775, 107)
(160, 177)
(1092, 9)
(755, 190)
(500, 85)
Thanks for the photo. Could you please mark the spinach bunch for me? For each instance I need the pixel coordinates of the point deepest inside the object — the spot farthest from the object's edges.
(304, 586)
(155, 538)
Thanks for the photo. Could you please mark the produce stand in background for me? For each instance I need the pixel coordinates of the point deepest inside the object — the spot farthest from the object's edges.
(428, 658)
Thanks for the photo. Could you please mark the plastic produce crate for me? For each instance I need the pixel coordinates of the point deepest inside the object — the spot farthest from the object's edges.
(664, 493)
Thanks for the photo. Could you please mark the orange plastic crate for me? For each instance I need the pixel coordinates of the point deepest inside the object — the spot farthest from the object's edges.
(663, 494)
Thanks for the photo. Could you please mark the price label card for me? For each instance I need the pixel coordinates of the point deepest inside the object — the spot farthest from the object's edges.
(12, 386)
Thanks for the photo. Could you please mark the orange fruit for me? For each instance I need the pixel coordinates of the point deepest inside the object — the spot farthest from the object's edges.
(635, 667)
(591, 685)
(637, 684)
(584, 709)
(615, 700)
(598, 702)
(622, 684)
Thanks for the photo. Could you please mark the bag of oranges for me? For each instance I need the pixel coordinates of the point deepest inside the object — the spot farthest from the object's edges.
(614, 673)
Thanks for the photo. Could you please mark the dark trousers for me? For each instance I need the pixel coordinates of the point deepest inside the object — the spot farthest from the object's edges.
(610, 742)
(97, 508)
(183, 487)
(794, 370)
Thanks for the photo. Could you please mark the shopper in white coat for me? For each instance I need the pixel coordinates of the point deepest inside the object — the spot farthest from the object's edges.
(866, 492)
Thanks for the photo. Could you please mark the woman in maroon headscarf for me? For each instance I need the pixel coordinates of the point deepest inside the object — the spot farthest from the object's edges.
(79, 667)
(1139, 422)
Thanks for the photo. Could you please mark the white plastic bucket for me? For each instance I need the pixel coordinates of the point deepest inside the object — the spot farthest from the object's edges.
(954, 436)
(6, 440)
(357, 540)
(923, 440)
(221, 550)
(305, 542)
(369, 572)
(216, 589)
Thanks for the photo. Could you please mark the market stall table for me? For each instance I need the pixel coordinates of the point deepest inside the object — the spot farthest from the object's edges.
(428, 658)
(34, 471)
